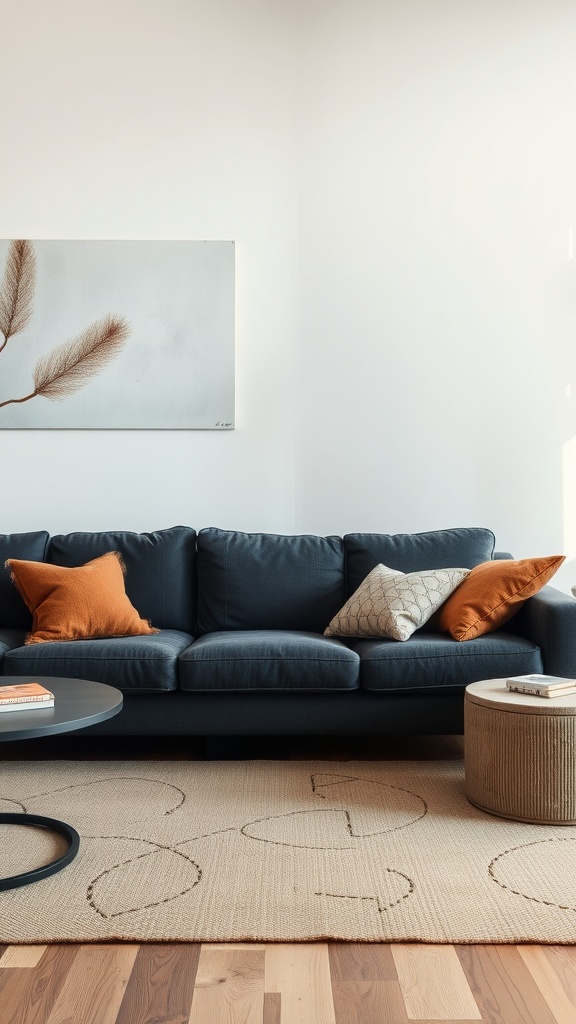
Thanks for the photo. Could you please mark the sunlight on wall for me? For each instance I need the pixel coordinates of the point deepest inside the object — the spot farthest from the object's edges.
(569, 499)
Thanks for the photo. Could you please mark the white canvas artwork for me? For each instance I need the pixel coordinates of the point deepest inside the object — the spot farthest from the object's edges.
(117, 335)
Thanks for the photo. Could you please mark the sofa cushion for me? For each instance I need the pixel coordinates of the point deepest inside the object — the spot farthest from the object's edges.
(412, 552)
(160, 569)
(268, 660)
(32, 547)
(268, 581)
(394, 604)
(134, 664)
(80, 603)
(492, 593)
(10, 638)
(433, 660)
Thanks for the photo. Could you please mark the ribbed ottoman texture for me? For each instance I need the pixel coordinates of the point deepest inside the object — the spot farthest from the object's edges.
(520, 754)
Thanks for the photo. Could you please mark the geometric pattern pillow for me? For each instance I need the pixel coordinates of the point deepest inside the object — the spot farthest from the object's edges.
(393, 604)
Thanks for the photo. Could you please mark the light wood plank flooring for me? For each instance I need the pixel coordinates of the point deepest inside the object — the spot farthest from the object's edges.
(304, 983)
(282, 983)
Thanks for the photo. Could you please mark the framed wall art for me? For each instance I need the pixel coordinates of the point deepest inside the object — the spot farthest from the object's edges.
(117, 334)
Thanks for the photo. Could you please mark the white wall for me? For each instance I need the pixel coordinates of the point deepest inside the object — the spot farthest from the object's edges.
(400, 181)
(438, 303)
(158, 119)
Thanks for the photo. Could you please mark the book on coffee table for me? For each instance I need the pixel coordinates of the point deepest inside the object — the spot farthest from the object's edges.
(25, 697)
(542, 685)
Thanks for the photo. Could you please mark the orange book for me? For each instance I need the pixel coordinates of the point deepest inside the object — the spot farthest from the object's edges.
(24, 693)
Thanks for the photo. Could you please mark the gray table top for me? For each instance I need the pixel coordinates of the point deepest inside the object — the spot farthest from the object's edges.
(78, 703)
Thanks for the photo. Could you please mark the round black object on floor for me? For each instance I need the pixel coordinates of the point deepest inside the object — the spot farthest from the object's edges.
(37, 820)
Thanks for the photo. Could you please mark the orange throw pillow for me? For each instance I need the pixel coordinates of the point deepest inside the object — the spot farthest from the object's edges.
(77, 604)
(492, 593)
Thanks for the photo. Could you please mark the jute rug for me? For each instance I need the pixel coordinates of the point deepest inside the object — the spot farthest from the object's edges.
(279, 850)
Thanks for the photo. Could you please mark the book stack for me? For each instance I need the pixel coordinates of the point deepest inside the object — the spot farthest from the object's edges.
(25, 697)
(542, 685)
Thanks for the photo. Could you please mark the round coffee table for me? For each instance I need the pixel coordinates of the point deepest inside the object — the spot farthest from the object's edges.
(78, 703)
(520, 754)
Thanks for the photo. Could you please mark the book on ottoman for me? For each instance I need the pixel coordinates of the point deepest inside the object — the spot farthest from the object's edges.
(542, 685)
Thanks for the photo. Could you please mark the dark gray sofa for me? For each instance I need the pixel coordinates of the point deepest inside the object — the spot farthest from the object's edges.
(240, 649)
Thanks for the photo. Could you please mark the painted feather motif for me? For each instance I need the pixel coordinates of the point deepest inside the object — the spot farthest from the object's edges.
(70, 366)
(18, 286)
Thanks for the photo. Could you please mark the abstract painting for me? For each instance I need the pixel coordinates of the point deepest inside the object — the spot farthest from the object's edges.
(117, 334)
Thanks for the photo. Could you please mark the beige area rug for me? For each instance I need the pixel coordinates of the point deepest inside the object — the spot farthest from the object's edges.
(279, 850)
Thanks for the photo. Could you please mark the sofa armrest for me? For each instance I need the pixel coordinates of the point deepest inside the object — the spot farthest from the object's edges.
(549, 620)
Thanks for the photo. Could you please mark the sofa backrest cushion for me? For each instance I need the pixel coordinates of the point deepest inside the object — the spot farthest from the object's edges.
(412, 552)
(160, 569)
(31, 547)
(268, 581)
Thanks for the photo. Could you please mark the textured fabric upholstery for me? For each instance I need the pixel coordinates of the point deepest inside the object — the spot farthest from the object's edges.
(137, 664)
(412, 552)
(160, 569)
(549, 620)
(268, 581)
(332, 713)
(492, 593)
(394, 604)
(29, 546)
(268, 660)
(10, 638)
(261, 666)
(432, 660)
(79, 603)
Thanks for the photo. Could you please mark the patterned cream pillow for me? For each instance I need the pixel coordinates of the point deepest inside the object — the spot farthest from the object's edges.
(393, 604)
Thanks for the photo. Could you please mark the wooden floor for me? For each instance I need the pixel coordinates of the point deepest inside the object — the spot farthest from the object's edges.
(298, 983)
(307, 983)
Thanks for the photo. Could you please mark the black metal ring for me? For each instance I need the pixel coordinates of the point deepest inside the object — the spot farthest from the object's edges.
(61, 828)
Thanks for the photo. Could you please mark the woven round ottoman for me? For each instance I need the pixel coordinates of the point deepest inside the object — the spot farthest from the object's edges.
(520, 754)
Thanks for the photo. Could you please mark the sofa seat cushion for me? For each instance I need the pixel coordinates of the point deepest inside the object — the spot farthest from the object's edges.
(271, 660)
(430, 660)
(134, 664)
